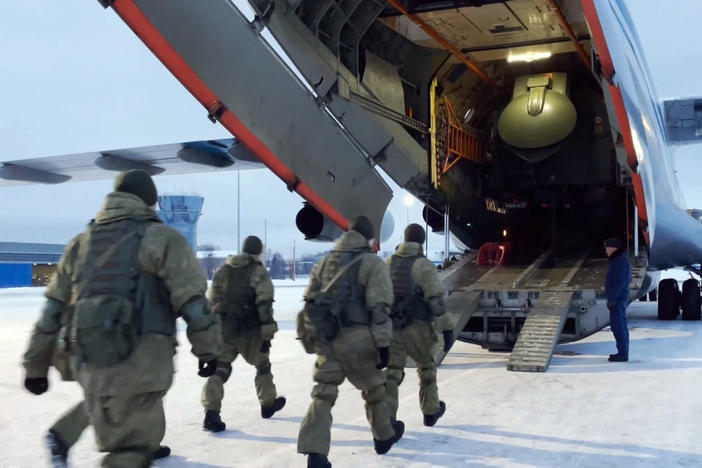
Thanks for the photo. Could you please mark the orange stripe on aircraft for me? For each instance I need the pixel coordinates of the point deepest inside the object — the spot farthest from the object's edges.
(620, 110)
(135, 19)
(593, 21)
(615, 93)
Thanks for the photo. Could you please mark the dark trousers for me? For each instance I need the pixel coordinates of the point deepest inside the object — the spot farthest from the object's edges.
(620, 330)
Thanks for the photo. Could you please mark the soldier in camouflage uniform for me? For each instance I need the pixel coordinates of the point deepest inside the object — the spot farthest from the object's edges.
(39, 356)
(124, 281)
(358, 351)
(242, 296)
(418, 302)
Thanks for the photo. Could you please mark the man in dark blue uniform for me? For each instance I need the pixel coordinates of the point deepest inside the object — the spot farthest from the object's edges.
(617, 288)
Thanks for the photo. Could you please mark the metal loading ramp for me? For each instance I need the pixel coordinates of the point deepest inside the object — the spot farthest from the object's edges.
(539, 335)
(460, 306)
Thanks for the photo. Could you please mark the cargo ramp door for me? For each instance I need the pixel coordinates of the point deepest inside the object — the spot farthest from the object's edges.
(285, 98)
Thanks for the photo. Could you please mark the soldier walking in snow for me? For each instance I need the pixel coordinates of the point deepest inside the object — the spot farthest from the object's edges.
(419, 302)
(346, 323)
(114, 299)
(242, 296)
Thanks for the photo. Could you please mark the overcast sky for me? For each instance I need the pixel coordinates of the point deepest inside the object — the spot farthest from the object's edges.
(74, 78)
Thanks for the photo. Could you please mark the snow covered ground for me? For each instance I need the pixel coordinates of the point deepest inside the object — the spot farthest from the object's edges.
(583, 412)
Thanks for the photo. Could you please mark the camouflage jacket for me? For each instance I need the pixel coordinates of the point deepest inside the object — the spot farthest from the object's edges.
(260, 282)
(163, 253)
(426, 278)
(373, 275)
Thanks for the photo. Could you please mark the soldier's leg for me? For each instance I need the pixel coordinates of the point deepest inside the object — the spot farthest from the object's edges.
(265, 388)
(71, 425)
(315, 430)
(129, 427)
(213, 390)
(358, 354)
(395, 373)
(419, 342)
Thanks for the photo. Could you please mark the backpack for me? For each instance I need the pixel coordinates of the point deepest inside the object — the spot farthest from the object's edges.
(408, 303)
(324, 312)
(237, 304)
(105, 323)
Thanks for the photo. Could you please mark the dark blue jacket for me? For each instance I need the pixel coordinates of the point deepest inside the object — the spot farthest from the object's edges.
(618, 277)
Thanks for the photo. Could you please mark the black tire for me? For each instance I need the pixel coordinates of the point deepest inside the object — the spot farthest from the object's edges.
(653, 295)
(690, 300)
(668, 299)
(643, 298)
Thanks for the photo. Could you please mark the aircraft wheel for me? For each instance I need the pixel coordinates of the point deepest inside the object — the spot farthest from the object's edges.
(668, 299)
(690, 300)
(653, 295)
(643, 298)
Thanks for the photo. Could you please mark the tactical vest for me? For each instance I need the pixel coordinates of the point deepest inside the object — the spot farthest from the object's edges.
(238, 303)
(115, 302)
(349, 297)
(338, 302)
(408, 304)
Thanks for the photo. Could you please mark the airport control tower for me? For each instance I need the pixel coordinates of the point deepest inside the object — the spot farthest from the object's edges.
(181, 212)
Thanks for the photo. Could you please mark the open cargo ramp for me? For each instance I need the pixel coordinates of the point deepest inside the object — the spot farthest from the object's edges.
(528, 309)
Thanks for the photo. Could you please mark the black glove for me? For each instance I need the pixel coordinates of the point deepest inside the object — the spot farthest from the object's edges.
(265, 346)
(206, 368)
(448, 340)
(36, 385)
(384, 356)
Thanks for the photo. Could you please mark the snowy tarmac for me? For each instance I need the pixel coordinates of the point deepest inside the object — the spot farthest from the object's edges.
(584, 412)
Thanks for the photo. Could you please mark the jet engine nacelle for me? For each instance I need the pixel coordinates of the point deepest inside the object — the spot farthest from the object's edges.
(317, 227)
(433, 219)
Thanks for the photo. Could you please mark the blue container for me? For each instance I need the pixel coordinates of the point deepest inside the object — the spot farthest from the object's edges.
(15, 275)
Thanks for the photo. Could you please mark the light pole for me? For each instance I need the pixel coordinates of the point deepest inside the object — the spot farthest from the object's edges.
(408, 200)
(238, 213)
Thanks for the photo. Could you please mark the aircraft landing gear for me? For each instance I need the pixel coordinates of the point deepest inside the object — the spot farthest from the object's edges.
(690, 300)
(653, 295)
(668, 299)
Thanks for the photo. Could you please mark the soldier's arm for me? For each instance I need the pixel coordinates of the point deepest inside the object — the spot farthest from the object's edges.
(262, 284)
(167, 255)
(427, 279)
(42, 342)
(376, 279)
(315, 283)
(215, 294)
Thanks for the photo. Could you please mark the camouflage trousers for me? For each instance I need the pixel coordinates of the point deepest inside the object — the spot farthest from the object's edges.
(71, 425)
(351, 355)
(130, 427)
(417, 341)
(250, 349)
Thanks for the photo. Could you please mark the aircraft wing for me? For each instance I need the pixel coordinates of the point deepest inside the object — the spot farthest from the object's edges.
(168, 159)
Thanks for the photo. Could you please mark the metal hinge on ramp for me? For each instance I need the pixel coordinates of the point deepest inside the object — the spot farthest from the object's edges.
(539, 335)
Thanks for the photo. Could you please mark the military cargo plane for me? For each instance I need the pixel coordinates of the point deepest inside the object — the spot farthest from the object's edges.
(530, 129)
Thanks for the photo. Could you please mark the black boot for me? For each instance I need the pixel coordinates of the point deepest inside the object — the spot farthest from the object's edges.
(58, 449)
(315, 460)
(618, 358)
(162, 452)
(383, 446)
(430, 419)
(213, 422)
(268, 411)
